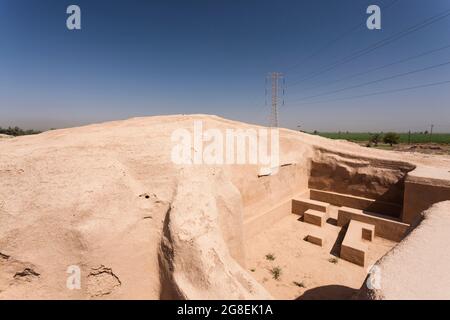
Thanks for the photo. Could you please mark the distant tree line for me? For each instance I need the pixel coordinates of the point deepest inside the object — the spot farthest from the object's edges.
(389, 138)
(16, 131)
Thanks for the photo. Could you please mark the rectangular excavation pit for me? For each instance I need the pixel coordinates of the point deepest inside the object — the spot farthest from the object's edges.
(369, 191)
(316, 237)
(347, 200)
(386, 228)
(315, 217)
(300, 205)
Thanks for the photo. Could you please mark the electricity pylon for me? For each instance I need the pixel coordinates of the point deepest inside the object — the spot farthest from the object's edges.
(277, 85)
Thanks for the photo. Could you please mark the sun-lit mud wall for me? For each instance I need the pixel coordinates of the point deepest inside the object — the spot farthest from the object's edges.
(417, 268)
(373, 178)
(422, 191)
(201, 250)
(261, 193)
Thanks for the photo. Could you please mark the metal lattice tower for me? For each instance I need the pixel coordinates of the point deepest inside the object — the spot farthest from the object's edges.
(277, 84)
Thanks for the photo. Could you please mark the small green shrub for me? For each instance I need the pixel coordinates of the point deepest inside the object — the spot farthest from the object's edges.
(375, 138)
(391, 138)
(276, 272)
(270, 257)
(333, 260)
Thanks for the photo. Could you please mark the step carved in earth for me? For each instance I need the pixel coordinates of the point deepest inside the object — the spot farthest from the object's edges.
(385, 227)
(300, 205)
(315, 217)
(316, 237)
(353, 249)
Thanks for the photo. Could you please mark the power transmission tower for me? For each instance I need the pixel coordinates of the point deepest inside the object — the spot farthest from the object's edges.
(277, 85)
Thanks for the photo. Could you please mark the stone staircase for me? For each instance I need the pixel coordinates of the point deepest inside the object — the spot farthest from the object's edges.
(361, 225)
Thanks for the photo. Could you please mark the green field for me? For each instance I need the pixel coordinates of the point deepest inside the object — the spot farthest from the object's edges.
(442, 138)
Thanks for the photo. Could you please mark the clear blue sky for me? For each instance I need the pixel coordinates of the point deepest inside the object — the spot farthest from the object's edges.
(137, 58)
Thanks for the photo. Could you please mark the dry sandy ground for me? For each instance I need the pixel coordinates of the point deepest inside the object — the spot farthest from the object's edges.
(107, 198)
(308, 271)
(427, 148)
(418, 267)
(424, 148)
(79, 197)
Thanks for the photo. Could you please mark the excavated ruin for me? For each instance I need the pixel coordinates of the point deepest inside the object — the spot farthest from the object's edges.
(109, 199)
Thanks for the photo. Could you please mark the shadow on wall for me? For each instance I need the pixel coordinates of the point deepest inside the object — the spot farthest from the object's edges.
(336, 249)
(331, 292)
(381, 183)
(384, 204)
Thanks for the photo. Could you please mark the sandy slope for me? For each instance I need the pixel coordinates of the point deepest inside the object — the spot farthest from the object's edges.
(95, 196)
(78, 197)
(107, 198)
(418, 267)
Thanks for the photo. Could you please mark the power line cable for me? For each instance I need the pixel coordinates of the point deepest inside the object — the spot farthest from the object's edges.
(380, 67)
(381, 92)
(377, 81)
(337, 39)
(379, 44)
